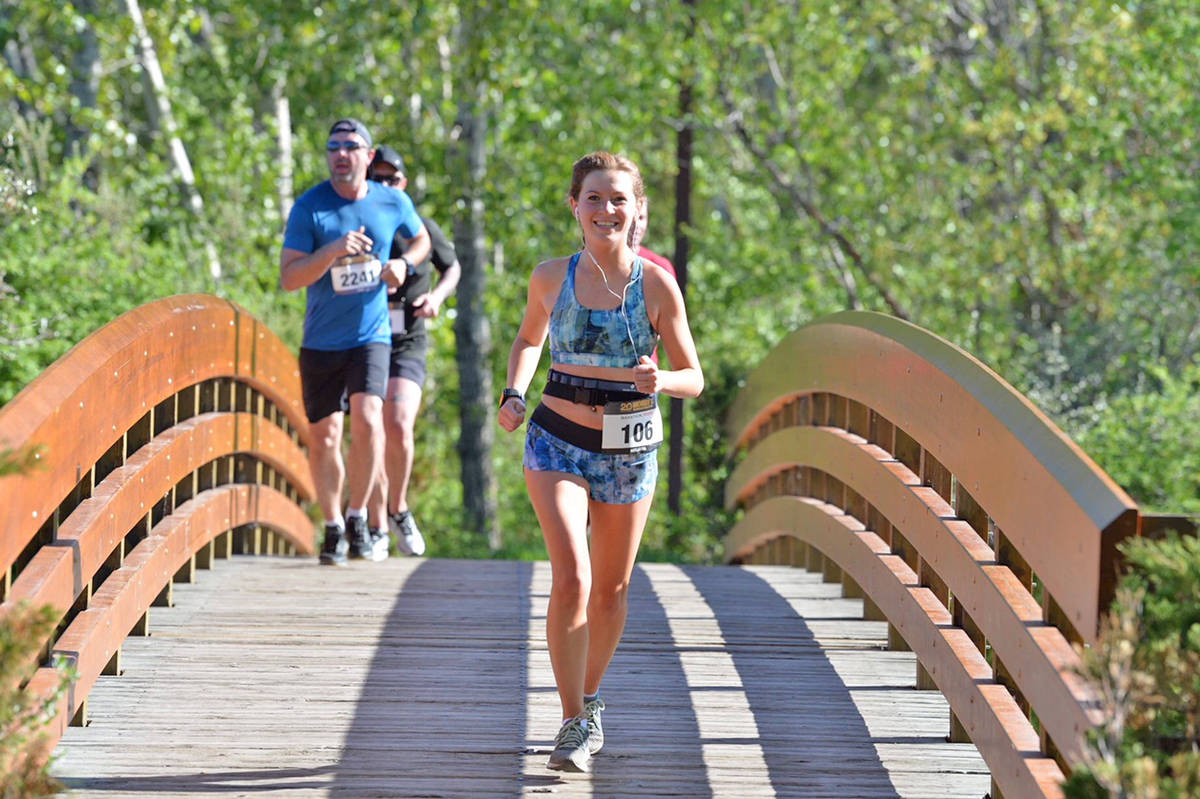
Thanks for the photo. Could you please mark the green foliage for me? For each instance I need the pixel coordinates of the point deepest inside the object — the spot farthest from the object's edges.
(1147, 668)
(23, 755)
(1145, 439)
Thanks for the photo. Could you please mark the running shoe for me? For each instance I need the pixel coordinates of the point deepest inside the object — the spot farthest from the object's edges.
(380, 544)
(408, 538)
(571, 747)
(360, 539)
(333, 550)
(595, 731)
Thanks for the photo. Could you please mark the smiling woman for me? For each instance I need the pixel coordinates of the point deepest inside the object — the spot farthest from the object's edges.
(591, 447)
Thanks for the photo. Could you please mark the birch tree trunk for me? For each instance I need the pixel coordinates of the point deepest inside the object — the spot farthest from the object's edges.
(157, 86)
(283, 126)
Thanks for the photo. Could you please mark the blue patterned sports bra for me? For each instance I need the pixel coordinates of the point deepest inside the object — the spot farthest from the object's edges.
(593, 337)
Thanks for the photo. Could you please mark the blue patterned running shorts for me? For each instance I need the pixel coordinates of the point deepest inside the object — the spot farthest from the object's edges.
(612, 478)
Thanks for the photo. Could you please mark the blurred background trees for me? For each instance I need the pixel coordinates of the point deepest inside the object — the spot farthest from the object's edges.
(1017, 176)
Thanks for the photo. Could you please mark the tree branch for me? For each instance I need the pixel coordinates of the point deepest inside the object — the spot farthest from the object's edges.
(781, 180)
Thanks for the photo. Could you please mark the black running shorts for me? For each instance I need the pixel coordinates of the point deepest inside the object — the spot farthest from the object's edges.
(408, 357)
(325, 375)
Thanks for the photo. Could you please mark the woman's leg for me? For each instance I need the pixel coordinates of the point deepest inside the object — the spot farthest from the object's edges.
(616, 534)
(561, 503)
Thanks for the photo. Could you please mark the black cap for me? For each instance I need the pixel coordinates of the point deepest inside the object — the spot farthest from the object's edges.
(386, 155)
(351, 125)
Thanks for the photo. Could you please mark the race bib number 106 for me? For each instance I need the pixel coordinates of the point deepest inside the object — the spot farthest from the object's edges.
(631, 426)
(353, 274)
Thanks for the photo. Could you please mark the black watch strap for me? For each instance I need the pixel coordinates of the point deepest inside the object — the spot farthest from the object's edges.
(510, 393)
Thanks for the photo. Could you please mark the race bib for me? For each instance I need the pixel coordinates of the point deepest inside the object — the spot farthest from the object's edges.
(633, 426)
(396, 312)
(353, 274)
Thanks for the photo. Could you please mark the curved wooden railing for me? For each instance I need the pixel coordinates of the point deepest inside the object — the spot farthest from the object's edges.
(172, 436)
(898, 464)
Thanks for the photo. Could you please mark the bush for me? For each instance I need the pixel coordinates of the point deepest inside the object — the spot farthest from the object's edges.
(23, 757)
(1146, 665)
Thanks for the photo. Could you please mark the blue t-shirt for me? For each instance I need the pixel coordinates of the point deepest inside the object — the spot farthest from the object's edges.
(335, 321)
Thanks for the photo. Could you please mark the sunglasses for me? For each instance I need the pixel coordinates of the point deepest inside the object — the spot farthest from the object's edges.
(348, 146)
(389, 180)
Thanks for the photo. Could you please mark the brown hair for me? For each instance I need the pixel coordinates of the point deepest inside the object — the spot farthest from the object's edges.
(602, 160)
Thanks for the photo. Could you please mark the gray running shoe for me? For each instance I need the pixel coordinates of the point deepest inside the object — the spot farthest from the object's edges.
(571, 747)
(360, 539)
(408, 538)
(380, 544)
(595, 731)
(333, 549)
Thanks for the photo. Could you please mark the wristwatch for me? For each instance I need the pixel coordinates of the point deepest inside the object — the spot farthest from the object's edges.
(409, 269)
(510, 393)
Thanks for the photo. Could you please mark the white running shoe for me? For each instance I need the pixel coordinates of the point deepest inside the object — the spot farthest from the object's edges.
(595, 729)
(380, 544)
(408, 538)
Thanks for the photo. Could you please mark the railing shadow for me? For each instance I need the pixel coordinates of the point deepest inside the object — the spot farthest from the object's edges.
(814, 739)
(442, 709)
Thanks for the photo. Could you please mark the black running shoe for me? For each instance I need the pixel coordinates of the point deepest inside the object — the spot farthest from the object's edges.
(360, 537)
(333, 551)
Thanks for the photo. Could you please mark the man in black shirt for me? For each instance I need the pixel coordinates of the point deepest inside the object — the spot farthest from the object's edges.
(409, 306)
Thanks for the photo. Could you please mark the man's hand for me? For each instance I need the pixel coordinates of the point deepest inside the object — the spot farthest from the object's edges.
(355, 242)
(427, 306)
(394, 273)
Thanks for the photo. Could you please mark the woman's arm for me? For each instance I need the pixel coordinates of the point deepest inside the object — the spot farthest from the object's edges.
(665, 305)
(527, 347)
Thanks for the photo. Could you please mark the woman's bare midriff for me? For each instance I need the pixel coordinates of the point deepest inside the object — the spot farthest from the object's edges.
(586, 415)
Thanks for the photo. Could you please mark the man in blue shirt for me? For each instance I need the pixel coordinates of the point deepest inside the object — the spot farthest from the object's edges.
(338, 239)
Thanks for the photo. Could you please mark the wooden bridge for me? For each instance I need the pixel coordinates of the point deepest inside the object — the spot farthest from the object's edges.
(919, 551)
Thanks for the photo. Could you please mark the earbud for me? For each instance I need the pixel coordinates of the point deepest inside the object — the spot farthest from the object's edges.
(577, 214)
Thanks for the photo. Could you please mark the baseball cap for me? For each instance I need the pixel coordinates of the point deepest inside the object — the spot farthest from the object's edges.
(351, 125)
(386, 155)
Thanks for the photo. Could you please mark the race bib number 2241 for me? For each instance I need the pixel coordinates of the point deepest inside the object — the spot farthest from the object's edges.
(356, 273)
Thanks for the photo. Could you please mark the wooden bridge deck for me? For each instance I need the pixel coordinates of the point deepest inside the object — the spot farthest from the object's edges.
(421, 678)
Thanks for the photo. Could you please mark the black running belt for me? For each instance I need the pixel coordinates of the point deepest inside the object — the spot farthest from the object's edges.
(588, 390)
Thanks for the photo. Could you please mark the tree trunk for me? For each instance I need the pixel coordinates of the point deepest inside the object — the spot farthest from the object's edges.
(85, 81)
(19, 57)
(166, 122)
(472, 332)
(683, 218)
(283, 125)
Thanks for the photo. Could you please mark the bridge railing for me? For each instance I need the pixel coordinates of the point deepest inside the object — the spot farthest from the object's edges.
(896, 463)
(171, 437)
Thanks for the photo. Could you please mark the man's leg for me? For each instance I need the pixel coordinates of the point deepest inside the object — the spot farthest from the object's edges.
(400, 414)
(366, 385)
(325, 461)
(322, 375)
(399, 420)
(366, 446)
